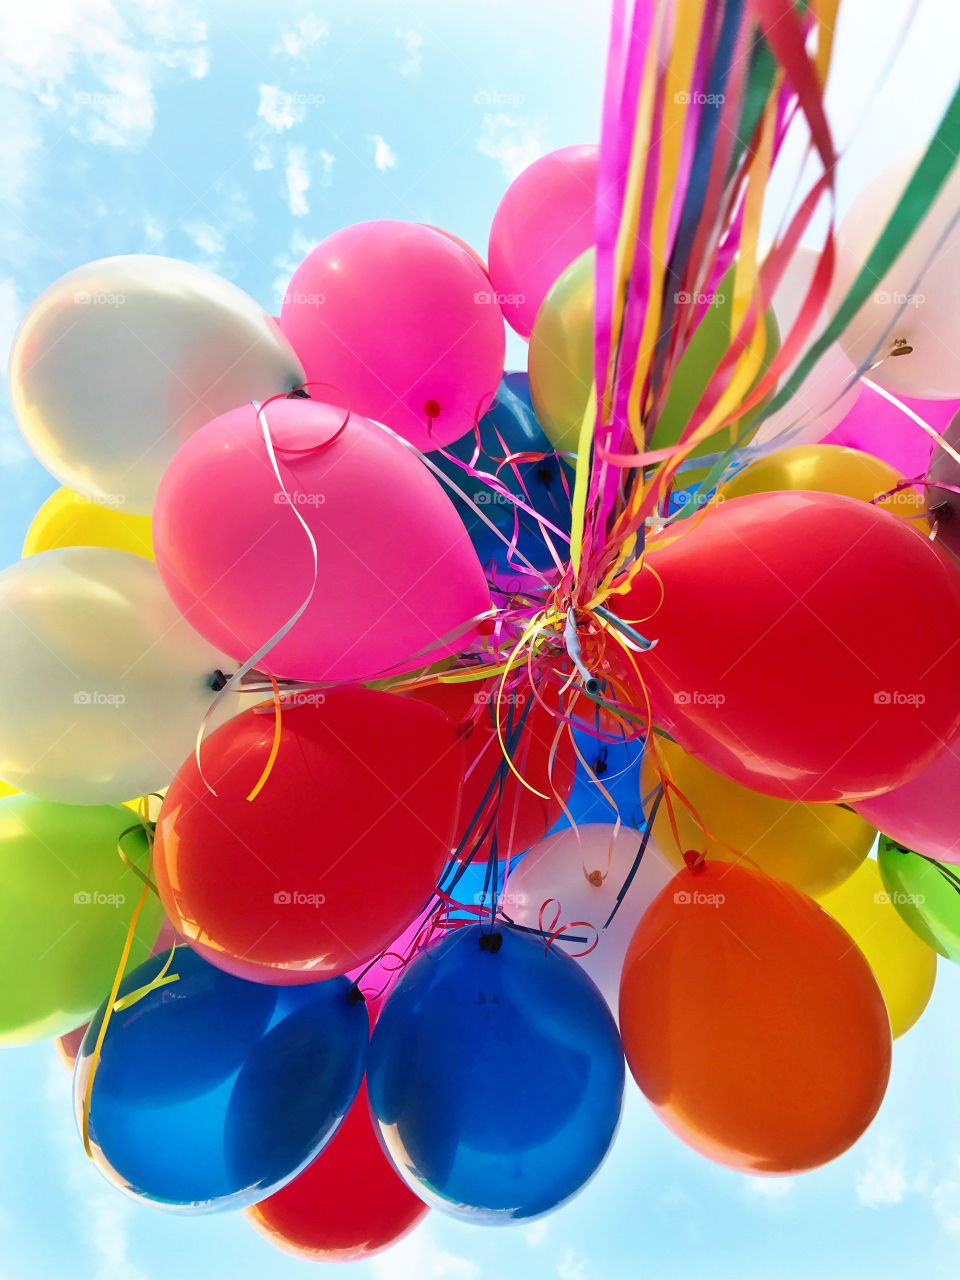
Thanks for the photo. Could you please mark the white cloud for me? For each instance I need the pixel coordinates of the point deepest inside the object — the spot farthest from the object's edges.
(418, 1257)
(513, 141)
(326, 159)
(209, 241)
(298, 181)
(572, 1267)
(412, 44)
(770, 1189)
(307, 33)
(263, 157)
(535, 1234)
(883, 1181)
(152, 230)
(384, 156)
(280, 110)
(287, 263)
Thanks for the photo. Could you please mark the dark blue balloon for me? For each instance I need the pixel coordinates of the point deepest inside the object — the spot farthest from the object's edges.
(496, 1076)
(511, 427)
(212, 1092)
(616, 764)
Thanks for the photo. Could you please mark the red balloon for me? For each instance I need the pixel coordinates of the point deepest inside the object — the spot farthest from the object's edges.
(348, 1204)
(524, 817)
(806, 644)
(338, 852)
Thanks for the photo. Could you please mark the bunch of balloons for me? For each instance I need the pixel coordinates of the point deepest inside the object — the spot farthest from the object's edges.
(396, 749)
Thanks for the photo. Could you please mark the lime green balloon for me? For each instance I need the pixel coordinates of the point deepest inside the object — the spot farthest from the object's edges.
(926, 894)
(560, 360)
(700, 361)
(66, 899)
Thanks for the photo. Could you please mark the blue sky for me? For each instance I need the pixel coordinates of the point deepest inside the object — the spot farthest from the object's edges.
(236, 135)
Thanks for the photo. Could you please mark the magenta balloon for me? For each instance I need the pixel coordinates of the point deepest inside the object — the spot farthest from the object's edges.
(923, 814)
(543, 222)
(876, 426)
(403, 323)
(396, 569)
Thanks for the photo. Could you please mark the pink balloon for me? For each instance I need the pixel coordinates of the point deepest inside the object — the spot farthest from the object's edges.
(543, 222)
(923, 814)
(876, 426)
(402, 322)
(467, 248)
(396, 571)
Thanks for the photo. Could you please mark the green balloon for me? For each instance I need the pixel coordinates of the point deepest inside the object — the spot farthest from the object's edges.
(697, 366)
(66, 898)
(926, 894)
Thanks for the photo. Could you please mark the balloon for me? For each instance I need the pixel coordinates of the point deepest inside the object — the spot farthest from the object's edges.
(903, 965)
(68, 519)
(348, 1204)
(916, 304)
(397, 580)
(543, 222)
(511, 428)
(812, 847)
(66, 899)
(876, 426)
(277, 892)
(104, 683)
(755, 1029)
(925, 893)
(804, 690)
(496, 1076)
(827, 468)
(213, 1092)
(467, 248)
(403, 323)
(943, 491)
(120, 361)
(924, 813)
(830, 390)
(576, 875)
(525, 810)
(560, 360)
(613, 759)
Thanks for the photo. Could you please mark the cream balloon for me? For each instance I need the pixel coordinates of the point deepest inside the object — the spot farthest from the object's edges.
(829, 391)
(104, 683)
(916, 306)
(582, 869)
(119, 361)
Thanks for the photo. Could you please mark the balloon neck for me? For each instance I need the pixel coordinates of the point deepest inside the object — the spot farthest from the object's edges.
(217, 680)
(595, 878)
(694, 860)
(355, 995)
(298, 393)
(431, 408)
(491, 942)
(901, 347)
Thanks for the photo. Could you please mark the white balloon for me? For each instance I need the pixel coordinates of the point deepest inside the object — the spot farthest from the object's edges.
(118, 362)
(583, 869)
(104, 682)
(917, 302)
(828, 393)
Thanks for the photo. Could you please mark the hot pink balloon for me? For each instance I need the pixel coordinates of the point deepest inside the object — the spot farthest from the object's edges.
(467, 248)
(923, 814)
(876, 426)
(396, 572)
(403, 323)
(543, 222)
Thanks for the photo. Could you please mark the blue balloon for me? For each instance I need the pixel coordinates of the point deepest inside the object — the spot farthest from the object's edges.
(617, 766)
(510, 427)
(496, 1076)
(213, 1092)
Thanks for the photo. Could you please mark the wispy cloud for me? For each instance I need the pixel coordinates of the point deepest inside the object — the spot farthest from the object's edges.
(419, 1257)
(513, 141)
(279, 109)
(883, 1180)
(298, 181)
(412, 44)
(209, 241)
(384, 156)
(308, 32)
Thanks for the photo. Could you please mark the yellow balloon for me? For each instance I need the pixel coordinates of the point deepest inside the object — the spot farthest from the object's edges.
(67, 519)
(560, 360)
(6, 790)
(904, 966)
(827, 468)
(812, 847)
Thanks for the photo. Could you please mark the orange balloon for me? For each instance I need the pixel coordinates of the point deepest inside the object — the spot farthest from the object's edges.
(752, 1022)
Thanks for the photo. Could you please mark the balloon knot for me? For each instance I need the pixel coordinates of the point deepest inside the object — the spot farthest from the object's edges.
(694, 860)
(595, 878)
(218, 680)
(901, 347)
(356, 996)
(431, 408)
(491, 942)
